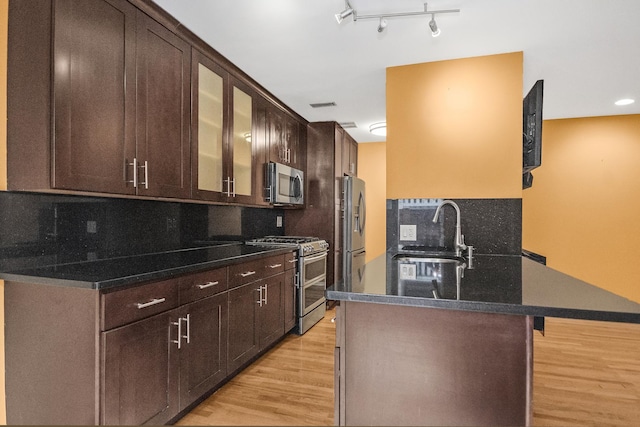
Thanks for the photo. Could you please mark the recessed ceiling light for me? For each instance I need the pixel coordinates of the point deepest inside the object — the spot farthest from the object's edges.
(625, 101)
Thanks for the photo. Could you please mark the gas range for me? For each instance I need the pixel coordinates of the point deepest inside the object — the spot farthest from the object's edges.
(305, 245)
(311, 276)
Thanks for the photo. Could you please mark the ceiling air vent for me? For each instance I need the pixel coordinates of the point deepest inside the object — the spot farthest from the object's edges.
(348, 125)
(323, 104)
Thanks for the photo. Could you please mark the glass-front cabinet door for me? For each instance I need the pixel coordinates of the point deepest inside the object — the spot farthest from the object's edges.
(209, 124)
(242, 145)
(222, 128)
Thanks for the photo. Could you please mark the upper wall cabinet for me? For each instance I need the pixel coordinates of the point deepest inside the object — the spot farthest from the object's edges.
(223, 132)
(283, 138)
(98, 100)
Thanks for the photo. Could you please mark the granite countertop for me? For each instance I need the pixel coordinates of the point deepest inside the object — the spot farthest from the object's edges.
(507, 284)
(123, 271)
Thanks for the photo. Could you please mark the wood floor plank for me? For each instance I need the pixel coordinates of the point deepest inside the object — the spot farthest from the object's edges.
(586, 373)
(291, 385)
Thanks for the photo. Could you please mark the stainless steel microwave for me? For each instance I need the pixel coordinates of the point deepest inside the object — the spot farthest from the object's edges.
(284, 184)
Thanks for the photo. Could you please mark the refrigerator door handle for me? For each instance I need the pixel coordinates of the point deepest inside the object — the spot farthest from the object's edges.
(364, 212)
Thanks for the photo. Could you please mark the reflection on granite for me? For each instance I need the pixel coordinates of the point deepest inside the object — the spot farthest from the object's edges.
(122, 271)
(496, 284)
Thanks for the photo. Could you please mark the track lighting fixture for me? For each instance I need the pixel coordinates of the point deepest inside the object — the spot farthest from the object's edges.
(382, 17)
(348, 10)
(382, 25)
(435, 31)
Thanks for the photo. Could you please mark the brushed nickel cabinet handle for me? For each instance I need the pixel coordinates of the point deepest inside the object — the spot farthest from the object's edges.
(179, 340)
(188, 322)
(275, 265)
(208, 285)
(248, 273)
(150, 303)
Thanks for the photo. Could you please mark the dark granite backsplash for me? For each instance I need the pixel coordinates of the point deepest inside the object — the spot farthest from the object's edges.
(491, 226)
(44, 229)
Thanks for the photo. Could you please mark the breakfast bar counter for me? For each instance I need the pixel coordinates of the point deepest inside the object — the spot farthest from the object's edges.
(441, 340)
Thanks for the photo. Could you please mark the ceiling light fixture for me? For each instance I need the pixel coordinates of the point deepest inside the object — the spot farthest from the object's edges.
(625, 101)
(379, 128)
(382, 25)
(348, 10)
(435, 31)
(382, 17)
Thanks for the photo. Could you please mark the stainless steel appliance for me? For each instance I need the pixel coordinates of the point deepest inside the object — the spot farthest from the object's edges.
(284, 184)
(311, 280)
(353, 233)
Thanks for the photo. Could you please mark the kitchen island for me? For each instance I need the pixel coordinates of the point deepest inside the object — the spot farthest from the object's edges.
(434, 342)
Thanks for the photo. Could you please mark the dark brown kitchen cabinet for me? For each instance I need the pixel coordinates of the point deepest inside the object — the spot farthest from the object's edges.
(243, 317)
(98, 100)
(140, 373)
(224, 127)
(289, 291)
(203, 354)
(163, 156)
(138, 354)
(329, 145)
(284, 139)
(94, 51)
(256, 316)
(349, 155)
(270, 312)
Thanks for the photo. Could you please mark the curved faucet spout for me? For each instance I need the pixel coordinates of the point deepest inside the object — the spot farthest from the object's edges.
(458, 243)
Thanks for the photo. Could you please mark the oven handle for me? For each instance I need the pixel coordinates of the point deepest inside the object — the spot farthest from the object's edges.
(314, 258)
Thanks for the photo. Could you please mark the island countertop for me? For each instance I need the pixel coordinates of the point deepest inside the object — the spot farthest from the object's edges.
(128, 270)
(506, 284)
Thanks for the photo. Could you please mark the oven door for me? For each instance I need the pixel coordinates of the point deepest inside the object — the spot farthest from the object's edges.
(313, 274)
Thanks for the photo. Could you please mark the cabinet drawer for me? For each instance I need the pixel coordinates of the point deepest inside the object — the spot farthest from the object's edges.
(200, 285)
(273, 265)
(246, 272)
(290, 260)
(129, 305)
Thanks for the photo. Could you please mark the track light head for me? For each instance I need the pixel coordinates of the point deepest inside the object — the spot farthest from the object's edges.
(435, 31)
(345, 13)
(382, 25)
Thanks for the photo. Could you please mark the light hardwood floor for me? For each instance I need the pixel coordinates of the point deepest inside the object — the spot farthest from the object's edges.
(585, 374)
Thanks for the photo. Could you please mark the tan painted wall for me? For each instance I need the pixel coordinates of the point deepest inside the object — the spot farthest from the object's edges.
(454, 128)
(583, 208)
(4, 15)
(372, 169)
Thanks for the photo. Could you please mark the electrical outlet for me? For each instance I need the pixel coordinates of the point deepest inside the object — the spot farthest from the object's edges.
(408, 272)
(279, 221)
(408, 232)
(92, 227)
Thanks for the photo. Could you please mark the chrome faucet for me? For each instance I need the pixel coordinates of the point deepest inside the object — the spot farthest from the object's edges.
(458, 243)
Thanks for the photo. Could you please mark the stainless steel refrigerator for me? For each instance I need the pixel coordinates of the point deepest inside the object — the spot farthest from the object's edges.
(355, 218)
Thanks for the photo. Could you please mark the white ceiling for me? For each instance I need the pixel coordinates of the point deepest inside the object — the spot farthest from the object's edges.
(587, 51)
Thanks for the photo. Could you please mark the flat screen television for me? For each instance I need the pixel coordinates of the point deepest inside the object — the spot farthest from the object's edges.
(532, 128)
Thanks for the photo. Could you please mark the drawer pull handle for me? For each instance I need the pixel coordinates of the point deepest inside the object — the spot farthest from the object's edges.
(275, 265)
(293, 261)
(150, 303)
(248, 273)
(208, 285)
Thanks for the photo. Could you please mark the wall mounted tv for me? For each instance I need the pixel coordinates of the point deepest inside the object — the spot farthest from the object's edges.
(532, 128)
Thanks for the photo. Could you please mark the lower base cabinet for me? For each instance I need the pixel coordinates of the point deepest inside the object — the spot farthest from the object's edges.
(256, 319)
(135, 356)
(203, 357)
(158, 366)
(140, 377)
